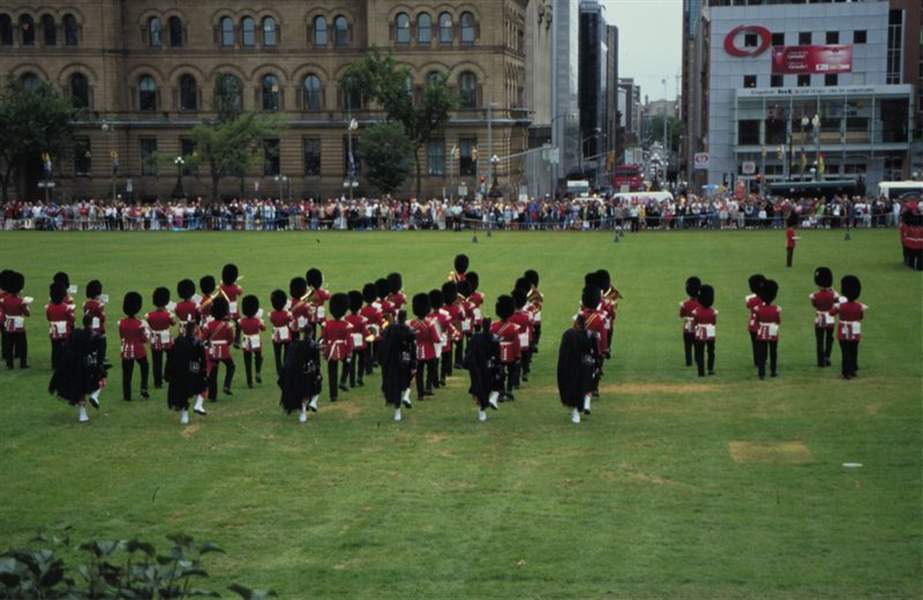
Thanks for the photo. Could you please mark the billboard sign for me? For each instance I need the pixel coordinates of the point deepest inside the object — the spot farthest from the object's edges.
(808, 60)
(701, 160)
(761, 35)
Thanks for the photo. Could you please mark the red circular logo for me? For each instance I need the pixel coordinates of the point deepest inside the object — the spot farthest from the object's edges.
(764, 41)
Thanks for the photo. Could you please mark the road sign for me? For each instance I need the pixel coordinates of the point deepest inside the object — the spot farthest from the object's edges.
(748, 167)
(701, 160)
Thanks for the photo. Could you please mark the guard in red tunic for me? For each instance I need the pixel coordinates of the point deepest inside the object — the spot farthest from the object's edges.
(95, 308)
(336, 341)
(461, 264)
(251, 328)
(475, 299)
(232, 292)
(427, 338)
(318, 299)
(768, 321)
(209, 292)
(610, 297)
(186, 309)
(686, 308)
(790, 238)
(373, 323)
(537, 300)
(161, 323)
(823, 301)
(133, 333)
(64, 279)
(467, 324)
(299, 306)
(397, 299)
(704, 321)
(594, 321)
(382, 290)
(849, 327)
(4, 278)
(446, 334)
(360, 345)
(456, 310)
(906, 224)
(60, 321)
(282, 328)
(507, 333)
(752, 302)
(218, 335)
(15, 310)
(523, 319)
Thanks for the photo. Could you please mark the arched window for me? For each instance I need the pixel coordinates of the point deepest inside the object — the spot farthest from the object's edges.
(434, 77)
(231, 89)
(80, 90)
(154, 28)
(424, 28)
(270, 39)
(402, 28)
(468, 89)
(408, 86)
(270, 92)
(188, 93)
(30, 80)
(445, 28)
(49, 31)
(175, 24)
(341, 31)
(27, 30)
(320, 31)
(248, 32)
(313, 94)
(467, 28)
(147, 93)
(227, 32)
(6, 30)
(71, 31)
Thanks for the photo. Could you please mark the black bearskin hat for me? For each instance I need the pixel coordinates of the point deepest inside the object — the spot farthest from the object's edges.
(185, 289)
(229, 274)
(523, 285)
(474, 280)
(207, 285)
(449, 292)
(219, 308)
(355, 301)
(4, 278)
(591, 297)
(519, 298)
(603, 279)
(693, 284)
(369, 293)
(823, 277)
(421, 305)
(756, 282)
(250, 305)
(707, 296)
(131, 305)
(382, 289)
(395, 282)
(485, 325)
(314, 278)
(505, 307)
(464, 288)
(161, 297)
(339, 303)
(435, 299)
(532, 276)
(94, 288)
(62, 278)
(461, 263)
(297, 287)
(851, 287)
(277, 299)
(14, 283)
(56, 293)
(591, 280)
(768, 291)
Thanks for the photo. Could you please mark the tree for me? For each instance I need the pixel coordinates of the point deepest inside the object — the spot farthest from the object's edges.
(33, 119)
(674, 131)
(387, 152)
(381, 79)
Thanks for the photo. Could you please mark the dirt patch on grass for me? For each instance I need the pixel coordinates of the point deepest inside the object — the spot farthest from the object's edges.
(873, 408)
(350, 409)
(649, 389)
(189, 430)
(347, 565)
(629, 472)
(436, 438)
(778, 453)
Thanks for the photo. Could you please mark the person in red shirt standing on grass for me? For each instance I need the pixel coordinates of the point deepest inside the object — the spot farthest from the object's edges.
(396, 298)
(60, 321)
(209, 293)
(15, 309)
(523, 319)
(823, 301)
(160, 322)
(133, 333)
(427, 337)
(752, 302)
(232, 292)
(298, 305)
(790, 239)
(594, 321)
(251, 326)
(218, 335)
(336, 341)
(507, 332)
(768, 320)
(95, 308)
(536, 299)
(317, 299)
(686, 308)
(849, 329)
(476, 299)
(704, 320)
(186, 310)
(360, 346)
(282, 334)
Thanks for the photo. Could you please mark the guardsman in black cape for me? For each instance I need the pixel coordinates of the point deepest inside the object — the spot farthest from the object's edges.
(187, 370)
(482, 360)
(398, 360)
(79, 374)
(578, 363)
(301, 380)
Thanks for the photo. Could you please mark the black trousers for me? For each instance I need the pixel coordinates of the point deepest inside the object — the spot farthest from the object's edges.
(15, 345)
(279, 352)
(432, 374)
(350, 370)
(688, 342)
(753, 347)
(374, 358)
(824, 338)
(128, 369)
(537, 330)
(229, 368)
(57, 348)
(460, 353)
(525, 364)
(512, 376)
(850, 351)
(333, 368)
(764, 350)
(700, 349)
(426, 371)
(101, 349)
(157, 363)
(446, 366)
(249, 359)
(789, 255)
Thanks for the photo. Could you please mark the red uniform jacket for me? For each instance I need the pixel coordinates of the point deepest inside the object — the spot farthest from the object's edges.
(186, 311)
(218, 335)
(281, 321)
(790, 238)
(823, 302)
(524, 322)
(768, 319)
(14, 313)
(508, 332)
(133, 333)
(850, 325)
(205, 309)
(359, 330)
(60, 321)
(447, 332)
(160, 321)
(318, 299)
(336, 340)
(457, 313)
(753, 302)
(96, 310)
(595, 321)
(686, 309)
(250, 328)
(302, 313)
(387, 310)
(232, 293)
(372, 320)
(703, 323)
(427, 338)
(477, 300)
(397, 301)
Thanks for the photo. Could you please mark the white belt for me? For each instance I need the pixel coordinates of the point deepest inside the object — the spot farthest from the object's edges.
(253, 342)
(281, 333)
(219, 343)
(59, 327)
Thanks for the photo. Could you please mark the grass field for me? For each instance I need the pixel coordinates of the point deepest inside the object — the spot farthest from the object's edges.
(676, 486)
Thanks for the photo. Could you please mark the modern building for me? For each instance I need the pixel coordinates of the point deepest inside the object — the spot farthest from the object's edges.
(146, 72)
(539, 177)
(631, 115)
(565, 81)
(611, 108)
(791, 90)
(593, 57)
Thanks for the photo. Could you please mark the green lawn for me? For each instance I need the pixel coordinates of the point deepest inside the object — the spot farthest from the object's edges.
(644, 499)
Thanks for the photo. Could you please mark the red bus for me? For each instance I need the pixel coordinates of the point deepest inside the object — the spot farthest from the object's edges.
(628, 175)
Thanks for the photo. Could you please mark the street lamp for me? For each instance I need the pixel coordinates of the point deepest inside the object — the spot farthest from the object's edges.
(282, 181)
(180, 163)
(109, 128)
(494, 161)
(351, 167)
